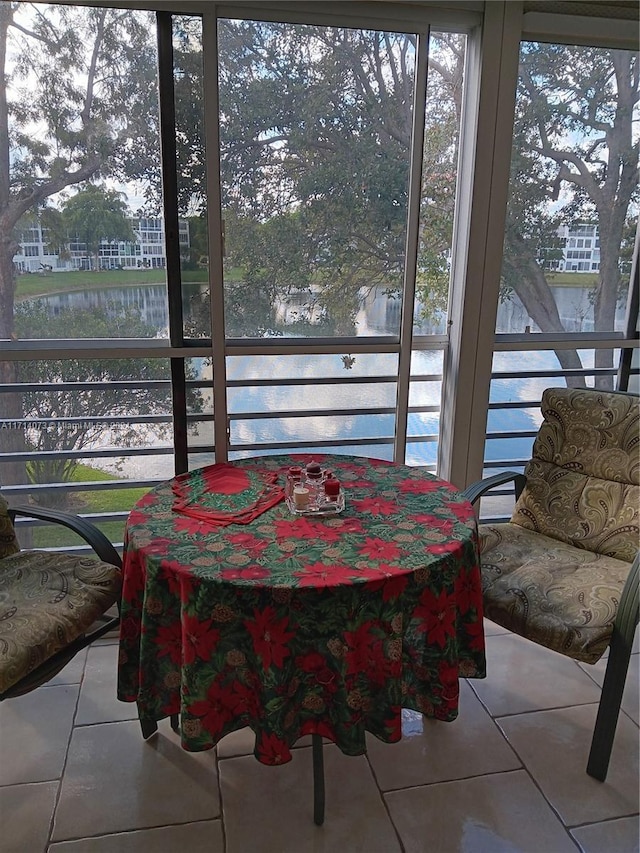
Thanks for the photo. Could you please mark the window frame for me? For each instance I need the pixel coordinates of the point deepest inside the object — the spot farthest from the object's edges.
(482, 187)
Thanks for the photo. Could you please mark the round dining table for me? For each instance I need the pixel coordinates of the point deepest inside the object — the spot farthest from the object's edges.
(238, 612)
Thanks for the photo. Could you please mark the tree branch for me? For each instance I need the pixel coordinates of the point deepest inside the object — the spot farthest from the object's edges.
(19, 206)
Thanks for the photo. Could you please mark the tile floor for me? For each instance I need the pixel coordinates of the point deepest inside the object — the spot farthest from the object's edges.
(507, 776)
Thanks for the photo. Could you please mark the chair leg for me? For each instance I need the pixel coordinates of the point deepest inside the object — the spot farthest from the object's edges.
(609, 708)
(150, 726)
(318, 780)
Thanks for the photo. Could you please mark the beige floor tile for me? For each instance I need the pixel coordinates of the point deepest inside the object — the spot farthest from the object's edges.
(432, 751)
(241, 742)
(612, 836)
(115, 781)
(98, 695)
(73, 671)
(554, 746)
(34, 734)
(491, 628)
(500, 813)
(631, 695)
(199, 837)
(523, 676)
(25, 816)
(270, 809)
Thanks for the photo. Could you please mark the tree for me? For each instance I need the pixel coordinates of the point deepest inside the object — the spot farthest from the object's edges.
(439, 170)
(574, 136)
(315, 144)
(94, 215)
(60, 416)
(91, 112)
(315, 137)
(316, 133)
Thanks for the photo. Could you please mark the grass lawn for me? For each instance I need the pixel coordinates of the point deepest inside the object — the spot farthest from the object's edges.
(107, 500)
(572, 279)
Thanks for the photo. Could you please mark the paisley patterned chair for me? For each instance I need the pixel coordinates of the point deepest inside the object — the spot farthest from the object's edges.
(563, 571)
(49, 600)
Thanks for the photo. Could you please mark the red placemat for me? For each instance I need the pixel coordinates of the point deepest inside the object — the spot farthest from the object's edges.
(222, 494)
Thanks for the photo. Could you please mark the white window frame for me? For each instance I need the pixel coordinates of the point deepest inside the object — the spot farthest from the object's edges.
(477, 277)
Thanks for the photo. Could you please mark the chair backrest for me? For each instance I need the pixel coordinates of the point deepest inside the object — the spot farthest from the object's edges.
(583, 481)
(8, 540)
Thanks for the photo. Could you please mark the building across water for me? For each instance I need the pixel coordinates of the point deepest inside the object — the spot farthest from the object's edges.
(580, 248)
(147, 251)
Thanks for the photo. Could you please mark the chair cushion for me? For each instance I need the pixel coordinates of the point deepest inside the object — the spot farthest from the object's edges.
(564, 598)
(583, 481)
(8, 539)
(47, 601)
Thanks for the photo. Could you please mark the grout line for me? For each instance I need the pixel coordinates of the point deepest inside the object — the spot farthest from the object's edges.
(66, 755)
(385, 805)
(119, 832)
(223, 827)
(78, 685)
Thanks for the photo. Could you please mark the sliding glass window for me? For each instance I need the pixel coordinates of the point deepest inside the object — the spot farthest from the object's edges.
(85, 388)
(571, 223)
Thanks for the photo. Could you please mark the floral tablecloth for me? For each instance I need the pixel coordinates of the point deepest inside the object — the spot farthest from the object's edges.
(296, 625)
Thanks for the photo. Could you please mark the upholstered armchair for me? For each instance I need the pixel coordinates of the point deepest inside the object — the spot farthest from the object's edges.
(563, 571)
(52, 604)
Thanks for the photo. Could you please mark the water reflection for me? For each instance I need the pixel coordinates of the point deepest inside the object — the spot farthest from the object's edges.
(149, 301)
(379, 314)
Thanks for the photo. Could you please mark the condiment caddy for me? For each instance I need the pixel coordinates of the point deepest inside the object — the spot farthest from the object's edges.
(313, 491)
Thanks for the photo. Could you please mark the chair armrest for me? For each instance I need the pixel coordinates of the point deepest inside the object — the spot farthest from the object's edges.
(476, 490)
(88, 531)
(628, 613)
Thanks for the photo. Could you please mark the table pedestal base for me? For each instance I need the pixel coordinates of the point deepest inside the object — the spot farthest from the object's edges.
(149, 727)
(318, 780)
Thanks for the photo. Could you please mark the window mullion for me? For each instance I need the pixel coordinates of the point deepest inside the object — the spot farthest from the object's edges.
(411, 250)
(630, 355)
(485, 155)
(171, 226)
(214, 219)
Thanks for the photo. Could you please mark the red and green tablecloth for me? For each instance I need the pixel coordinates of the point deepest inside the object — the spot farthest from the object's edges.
(295, 625)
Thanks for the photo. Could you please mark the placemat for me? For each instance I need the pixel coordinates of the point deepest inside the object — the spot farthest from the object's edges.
(222, 494)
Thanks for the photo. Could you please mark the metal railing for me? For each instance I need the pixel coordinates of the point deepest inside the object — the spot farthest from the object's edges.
(18, 493)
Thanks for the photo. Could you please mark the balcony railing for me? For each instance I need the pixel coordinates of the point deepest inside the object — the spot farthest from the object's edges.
(512, 426)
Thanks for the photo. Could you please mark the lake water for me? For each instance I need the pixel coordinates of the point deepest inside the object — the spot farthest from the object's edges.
(378, 316)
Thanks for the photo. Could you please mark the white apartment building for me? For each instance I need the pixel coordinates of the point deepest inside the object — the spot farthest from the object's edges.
(580, 249)
(146, 252)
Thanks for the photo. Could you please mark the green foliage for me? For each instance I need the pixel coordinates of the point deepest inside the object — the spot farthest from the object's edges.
(575, 159)
(95, 214)
(314, 160)
(189, 118)
(81, 95)
(66, 412)
(91, 501)
(198, 245)
(316, 130)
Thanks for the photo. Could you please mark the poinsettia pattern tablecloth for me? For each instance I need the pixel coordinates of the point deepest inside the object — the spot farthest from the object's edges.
(297, 625)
